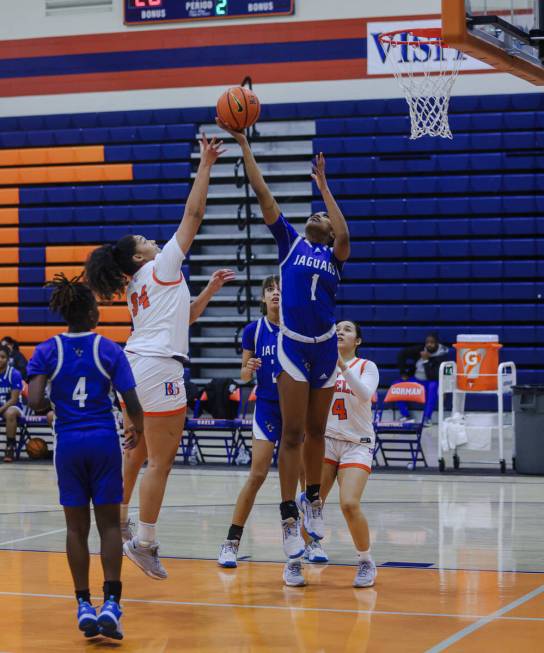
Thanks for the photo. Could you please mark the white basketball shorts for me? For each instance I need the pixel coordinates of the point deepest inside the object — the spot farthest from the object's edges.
(159, 384)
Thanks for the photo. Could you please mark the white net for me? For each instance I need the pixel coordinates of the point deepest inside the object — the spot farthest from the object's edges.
(426, 71)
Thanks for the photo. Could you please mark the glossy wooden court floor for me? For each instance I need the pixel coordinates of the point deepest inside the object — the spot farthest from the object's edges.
(461, 568)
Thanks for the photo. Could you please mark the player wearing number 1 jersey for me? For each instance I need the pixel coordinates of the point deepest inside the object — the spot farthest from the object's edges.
(349, 442)
(159, 302)
(310, 269)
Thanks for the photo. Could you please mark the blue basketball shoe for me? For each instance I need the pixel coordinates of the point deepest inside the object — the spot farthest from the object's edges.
(109, 620)
(86, 619)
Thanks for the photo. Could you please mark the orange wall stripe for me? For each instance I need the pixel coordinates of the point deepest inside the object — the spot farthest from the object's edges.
(68, 253)
(156, 39)
(27, 351)
(9, 275)
(9, 216)
(69, 270)
(52, 155)
(114, 314)
(9, 196)
(303, 71)
(9, 255)
(9, 294)
(66, 174)
(9, 314)
(30, 335)
(9, 236)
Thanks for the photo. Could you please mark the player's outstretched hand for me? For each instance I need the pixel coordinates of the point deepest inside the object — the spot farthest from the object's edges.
(219, 278)
(318, 172)
(132, 437)
(239, 137)
(210, 151)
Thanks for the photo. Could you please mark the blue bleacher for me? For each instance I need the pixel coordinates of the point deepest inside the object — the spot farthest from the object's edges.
(444, 233)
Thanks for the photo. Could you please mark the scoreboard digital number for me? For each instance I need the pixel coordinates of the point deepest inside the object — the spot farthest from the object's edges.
(142, 12)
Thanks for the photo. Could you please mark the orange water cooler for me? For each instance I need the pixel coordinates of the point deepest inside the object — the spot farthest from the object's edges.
(477, 362)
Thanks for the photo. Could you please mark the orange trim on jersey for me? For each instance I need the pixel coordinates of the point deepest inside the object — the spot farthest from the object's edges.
(358, 465)
(363, 367)
(330, 462)
(353, 363)
(166, 413)
(166, 283)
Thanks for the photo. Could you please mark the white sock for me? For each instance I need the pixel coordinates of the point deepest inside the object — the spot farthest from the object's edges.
(364, 555)
(146, 533)
(124, 513)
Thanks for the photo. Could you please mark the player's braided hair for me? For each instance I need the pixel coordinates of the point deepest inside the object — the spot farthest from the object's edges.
(71, 298)
(108, 267)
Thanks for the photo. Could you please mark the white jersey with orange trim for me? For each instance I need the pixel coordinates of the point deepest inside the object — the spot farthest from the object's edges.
(350, 416)
(159, 301)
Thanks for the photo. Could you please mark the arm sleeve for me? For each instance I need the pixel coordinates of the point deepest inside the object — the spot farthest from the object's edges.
(16, 380)
(116, 365)
(44, 359)
(167, 264)
(285, 236)
(248, 337)
(363, 385)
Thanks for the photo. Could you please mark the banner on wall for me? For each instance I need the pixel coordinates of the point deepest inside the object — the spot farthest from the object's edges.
(378, 63)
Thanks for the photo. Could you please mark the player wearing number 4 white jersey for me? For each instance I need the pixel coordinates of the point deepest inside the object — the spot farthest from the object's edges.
(349, 442)
(159, 303)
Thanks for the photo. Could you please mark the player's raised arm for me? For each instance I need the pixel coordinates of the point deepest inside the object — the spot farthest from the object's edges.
(196, 202)
(338, 222)
(269, 206)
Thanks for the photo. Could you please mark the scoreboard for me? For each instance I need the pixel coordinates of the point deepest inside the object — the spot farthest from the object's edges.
(142, 12)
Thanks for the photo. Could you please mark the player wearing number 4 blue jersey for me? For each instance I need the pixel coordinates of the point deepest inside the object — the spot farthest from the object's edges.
(83, 370)
(310, 266)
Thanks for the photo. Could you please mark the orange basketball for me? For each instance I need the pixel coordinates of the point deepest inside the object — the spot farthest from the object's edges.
(238, 108)
(36, 448)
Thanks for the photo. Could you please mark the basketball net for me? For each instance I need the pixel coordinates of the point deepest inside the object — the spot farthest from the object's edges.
(426, 70)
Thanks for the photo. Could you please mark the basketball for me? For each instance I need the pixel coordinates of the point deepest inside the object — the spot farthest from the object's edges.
(238, 108)
(37, 449)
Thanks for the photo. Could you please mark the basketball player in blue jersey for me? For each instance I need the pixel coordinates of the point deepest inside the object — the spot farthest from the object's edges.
(310, 268)
(83, 369)
(11, 408)
(259, 342)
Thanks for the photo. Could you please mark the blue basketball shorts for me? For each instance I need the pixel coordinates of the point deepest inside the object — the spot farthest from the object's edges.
(89, 468)
(308, 362)
(267, 420)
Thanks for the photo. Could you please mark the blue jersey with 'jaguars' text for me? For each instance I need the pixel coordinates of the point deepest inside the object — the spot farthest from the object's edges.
(83, 369)
(261, 337)
(310, 273)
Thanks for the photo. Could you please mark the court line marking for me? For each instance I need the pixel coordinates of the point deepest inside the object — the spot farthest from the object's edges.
(32, 537)
(251, 560)
(249, 606)
(484, 621)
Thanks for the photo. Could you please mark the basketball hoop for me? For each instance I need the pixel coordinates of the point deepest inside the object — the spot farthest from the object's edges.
(426, 70)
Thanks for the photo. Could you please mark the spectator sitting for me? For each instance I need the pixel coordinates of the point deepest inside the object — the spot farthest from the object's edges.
(11, 384)
(422, 365)
(16, 358)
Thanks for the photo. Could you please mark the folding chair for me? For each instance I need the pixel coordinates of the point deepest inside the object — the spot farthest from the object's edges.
(406, 433)
(27, 419)
(214, 434)
(244, 434)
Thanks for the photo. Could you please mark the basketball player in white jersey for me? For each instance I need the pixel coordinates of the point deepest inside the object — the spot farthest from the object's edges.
(159, 302)
(349, 442)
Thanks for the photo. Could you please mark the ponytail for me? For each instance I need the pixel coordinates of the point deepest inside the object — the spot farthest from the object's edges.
(108, 267)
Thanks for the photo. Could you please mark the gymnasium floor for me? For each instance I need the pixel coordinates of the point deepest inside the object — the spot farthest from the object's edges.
(461, 569)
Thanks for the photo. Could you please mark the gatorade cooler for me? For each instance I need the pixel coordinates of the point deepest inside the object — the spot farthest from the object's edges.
(477, 362)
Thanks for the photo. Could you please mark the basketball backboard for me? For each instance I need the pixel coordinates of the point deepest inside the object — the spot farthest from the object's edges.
(506, 34)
